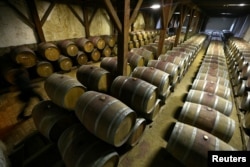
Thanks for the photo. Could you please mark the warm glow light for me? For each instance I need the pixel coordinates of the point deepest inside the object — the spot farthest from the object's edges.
(241, 4)
(155, 6)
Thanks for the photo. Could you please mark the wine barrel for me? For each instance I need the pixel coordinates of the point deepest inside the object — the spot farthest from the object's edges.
(219, 80)
(106, 52)
(146, 54)
(68, 47)
(44, 68)
(81, 58)
(49, 51)
(109, 40)
(63, 90)
(110, 64)
(154, 112)
(245, 102)
(51, 120)
(95, 55)
(215, 72)
(180, 62)
(137, 132)
(79, 148)
(136, 93)
(64, 63)
(84, 44)
(207, 119)
(135, 60)
(170, 68)
(106, 117)
(190, 145)
(94, 78)
(24, 55)
(212, 87)
(246, 123)
(130, 45)
(154, 76)
(211, 100)
(98, 42)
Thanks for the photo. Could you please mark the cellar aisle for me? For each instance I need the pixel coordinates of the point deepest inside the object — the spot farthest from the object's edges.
(150, 151)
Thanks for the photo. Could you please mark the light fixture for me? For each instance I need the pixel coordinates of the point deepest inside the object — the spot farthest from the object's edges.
(239, 5)
(155, 6)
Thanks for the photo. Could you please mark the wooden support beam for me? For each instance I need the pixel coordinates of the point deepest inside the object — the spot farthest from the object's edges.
(86, 22)
(189, 23)
(123, 11)
(113, 14)
(48, 11)
(183, 13)
(75, 14)
(38, 25)
(165, 17)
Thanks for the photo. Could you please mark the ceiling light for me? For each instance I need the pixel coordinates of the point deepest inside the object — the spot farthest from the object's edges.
(155, 6)
(241, 4)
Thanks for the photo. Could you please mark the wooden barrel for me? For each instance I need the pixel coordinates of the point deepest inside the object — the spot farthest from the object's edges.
(24, 55)
(106, 52)
(180, 62)
(64, 63)
(154, 112)
(170, 68)
(246, 123)
(136, 44)
(219, 80)
(109, 40)
(135, 60)
(212, 87)
(211, 100)
(137, 132)
(44, 68)
(79, 148)
(185, 143)
(154, 76)
(130, 45)
(63, 90)
(245, 73)
(49, 51)
(110, 64)
(146, 54)
(215, 72)
(95, 55)
(245, 102)
(213, 65)
(81, 58)
(84, 44)
(51, 120)
(215, 61)
(106, 117)
(207, 119)
(68, 47)
(94, 78)
(136, 93)
(98, 42)
(183, 55)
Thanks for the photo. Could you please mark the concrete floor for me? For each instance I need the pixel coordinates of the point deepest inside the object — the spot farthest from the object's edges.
(149, 152)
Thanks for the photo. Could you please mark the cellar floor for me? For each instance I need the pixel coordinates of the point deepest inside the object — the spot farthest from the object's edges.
(149, 152)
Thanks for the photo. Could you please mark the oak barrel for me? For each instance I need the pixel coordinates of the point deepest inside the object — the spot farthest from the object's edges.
(154, 76)
(219, 80)
(49, 51)
(109, 40)
(44, 68)
(98, 42)
(81, 58)
(68, 47)
(106, 117)
(80, 148)
(84, 44)
(211, 100)
(208, 119)
(51, 120)
(190, 145)
(106, 52)
(146, 54)
(63, 90)
(64, 63)
(24, 55)
(135, 60)
(212, 87)
(94, 78)
(95, 55)
(136, 93)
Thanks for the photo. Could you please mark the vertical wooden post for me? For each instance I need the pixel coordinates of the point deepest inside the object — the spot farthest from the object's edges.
(189, 23)
(86, 22)
(165, 17)
(123, 11)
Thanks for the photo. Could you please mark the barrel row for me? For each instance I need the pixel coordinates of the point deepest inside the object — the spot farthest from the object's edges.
(204, 119)
(88, 125)
(238, 51)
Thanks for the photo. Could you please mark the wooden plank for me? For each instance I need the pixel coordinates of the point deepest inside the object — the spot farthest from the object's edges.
(48, 11)
(189, 23)
(113, 14)
(38, 25)
(135, 12)
(75, 14)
